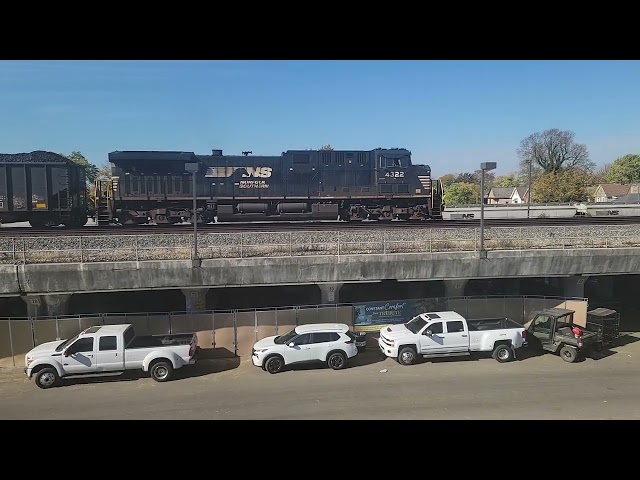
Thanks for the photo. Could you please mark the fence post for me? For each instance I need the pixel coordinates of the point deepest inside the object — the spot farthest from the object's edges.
(24, 251)
(384, 242)
(290, 244)
(235, 334)
(338, 234)
(136, 247)
(13, 356)
(241, 245)
(81, 252)
(255, 328)
(213, 329)
(13, 248)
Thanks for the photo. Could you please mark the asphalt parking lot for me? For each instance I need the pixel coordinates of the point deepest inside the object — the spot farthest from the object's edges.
(373, 387)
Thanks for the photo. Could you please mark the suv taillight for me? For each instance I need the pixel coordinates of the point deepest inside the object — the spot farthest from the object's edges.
(191, 350)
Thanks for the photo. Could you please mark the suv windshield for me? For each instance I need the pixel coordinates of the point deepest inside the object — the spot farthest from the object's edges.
(415, 324)
(286, 338)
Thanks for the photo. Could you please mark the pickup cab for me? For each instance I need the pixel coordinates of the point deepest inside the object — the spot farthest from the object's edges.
(447, 334)
(109, 349)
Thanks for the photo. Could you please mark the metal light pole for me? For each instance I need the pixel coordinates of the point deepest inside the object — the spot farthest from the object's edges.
(484, 167)
(193, 168)
(529, 189)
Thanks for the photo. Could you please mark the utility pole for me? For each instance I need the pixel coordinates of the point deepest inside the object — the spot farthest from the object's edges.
(484, 167)
(193, 168)
(529, 190)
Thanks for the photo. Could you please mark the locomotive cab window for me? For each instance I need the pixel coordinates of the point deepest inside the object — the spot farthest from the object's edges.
(391, 162)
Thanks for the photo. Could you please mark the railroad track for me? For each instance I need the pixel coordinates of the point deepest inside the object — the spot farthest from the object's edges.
(238, 227)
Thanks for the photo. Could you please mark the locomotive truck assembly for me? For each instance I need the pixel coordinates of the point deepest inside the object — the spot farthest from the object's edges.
(350, 185)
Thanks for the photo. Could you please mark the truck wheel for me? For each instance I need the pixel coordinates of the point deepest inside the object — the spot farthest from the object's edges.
(569, 354)
(407, 356)
(274, 364)
(161, 371)
(503, 353)
(46, 378)
(337, 360)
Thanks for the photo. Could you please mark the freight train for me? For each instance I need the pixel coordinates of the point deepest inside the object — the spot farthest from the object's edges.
(43, 188)
(157, 187)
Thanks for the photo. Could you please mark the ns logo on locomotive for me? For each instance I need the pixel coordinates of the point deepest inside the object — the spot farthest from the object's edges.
(154, 187)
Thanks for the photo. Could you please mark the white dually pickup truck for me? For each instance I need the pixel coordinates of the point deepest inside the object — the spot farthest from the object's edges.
(108, 349)
(447, 334)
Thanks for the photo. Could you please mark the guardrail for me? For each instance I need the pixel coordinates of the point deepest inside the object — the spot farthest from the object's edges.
(110, 248)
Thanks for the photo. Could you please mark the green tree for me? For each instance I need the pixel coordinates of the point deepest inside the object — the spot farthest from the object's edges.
(552, 151)
(625, 169)
(448, 179)
(508, 180)
(469, 177)
(462, 193)
(563, 186)
(90, 169)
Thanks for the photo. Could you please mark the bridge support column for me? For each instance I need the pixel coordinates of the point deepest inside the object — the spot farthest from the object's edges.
(47, 305)
(195, 299)
(574, 286)
(455, 288)
(329, 293)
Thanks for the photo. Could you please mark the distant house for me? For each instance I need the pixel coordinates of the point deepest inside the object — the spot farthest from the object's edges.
(520, 195)
(507, 195)
(607, 192)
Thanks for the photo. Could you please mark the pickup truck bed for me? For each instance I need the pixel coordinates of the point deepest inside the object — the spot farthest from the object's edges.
(499, 323)
(146, 341)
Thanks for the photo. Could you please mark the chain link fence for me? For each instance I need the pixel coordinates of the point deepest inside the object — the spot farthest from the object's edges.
(174, 246)
(232, 333)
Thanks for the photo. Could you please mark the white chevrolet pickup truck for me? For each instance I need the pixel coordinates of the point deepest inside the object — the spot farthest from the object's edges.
(108, 349)
(446, 334)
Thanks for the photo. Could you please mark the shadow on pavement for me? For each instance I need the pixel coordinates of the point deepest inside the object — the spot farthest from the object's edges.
(203, 367)
(624, 339)
(366, 357)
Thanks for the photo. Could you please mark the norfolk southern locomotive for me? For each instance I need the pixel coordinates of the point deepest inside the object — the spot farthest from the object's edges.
(156, 187)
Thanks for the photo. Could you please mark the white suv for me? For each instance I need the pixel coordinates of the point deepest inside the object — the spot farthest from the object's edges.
(333, 343)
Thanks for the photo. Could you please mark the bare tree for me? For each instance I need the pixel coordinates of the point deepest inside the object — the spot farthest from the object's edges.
(327, 147)
(552, 151)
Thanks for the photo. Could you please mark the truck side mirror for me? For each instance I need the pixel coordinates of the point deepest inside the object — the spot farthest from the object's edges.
(65, 353)
(291, 344)
(428, 332)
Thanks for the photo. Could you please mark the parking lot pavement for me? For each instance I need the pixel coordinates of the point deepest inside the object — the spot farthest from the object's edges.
(373, 387)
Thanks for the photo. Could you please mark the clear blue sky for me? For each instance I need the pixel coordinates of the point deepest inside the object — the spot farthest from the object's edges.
(450, 114)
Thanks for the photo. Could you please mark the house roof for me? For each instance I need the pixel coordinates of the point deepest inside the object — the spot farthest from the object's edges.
(522, 191)
(614, 189)
(501, 192)
(630, 198)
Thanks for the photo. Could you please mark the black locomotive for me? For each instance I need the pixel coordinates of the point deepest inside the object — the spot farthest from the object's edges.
(43, 188)
(156, 187)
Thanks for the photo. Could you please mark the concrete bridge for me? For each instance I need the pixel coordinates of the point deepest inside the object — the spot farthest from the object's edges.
(46, 271)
